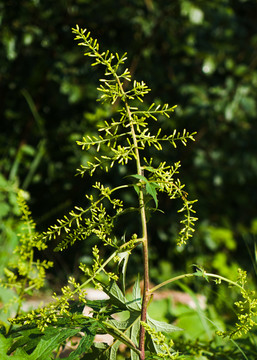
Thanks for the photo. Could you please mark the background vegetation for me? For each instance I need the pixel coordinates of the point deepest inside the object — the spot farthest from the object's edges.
(200, 55)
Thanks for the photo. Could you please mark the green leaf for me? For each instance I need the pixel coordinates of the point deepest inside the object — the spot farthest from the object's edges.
(4, 347)
(4, 344)
(99, 351)
(85, 343)
(42, 344)
(4, 209)
(136, 294)
(137, 189)
(162, 326)
(124, 256)
(152, 346)
(26, 339)
(158, 326)
(150, 189)
(114, 349)
(124, 325)
(134, 337)
(3, 181)
(50, 342)
(121, 336)
(140, 177)
(116, 295)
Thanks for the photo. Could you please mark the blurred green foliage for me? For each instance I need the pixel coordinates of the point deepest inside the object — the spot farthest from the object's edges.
(10, 226)
(198, 54)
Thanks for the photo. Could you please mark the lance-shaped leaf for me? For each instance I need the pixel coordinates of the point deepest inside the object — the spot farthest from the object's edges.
(162, 326)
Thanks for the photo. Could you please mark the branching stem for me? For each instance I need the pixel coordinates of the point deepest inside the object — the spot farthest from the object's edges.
(146, 294)
(205, 275)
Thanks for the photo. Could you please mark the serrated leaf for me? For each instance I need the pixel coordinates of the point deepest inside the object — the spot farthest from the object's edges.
(84, 344)
(133, 305)
(42, 344)
(50, 342)
(119, 299)
(4, 347)
(123, 325)
(4, 344)
(116, 295)
(20, 354)
(162, 326)
(96, 305)
(27, 339)
(140, 177)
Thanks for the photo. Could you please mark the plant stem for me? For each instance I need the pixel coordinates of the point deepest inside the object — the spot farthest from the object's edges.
(144, 242)
(205, 275)
(170, 281)
(146, 294)
(145, 298)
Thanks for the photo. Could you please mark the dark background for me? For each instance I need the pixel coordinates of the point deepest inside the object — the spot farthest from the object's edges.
(200, 55)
